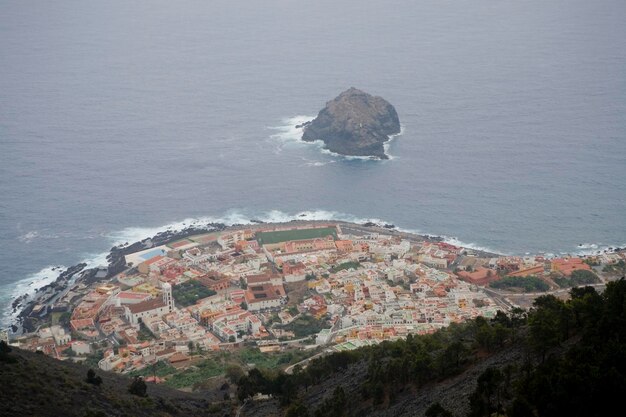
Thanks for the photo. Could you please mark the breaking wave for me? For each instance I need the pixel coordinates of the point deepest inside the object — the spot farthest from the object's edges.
(31, 283)
(288, 134)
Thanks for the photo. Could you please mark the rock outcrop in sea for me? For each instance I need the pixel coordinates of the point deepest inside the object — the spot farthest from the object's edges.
(355, 123)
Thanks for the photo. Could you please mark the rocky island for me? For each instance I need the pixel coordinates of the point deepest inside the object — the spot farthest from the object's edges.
(355, 123)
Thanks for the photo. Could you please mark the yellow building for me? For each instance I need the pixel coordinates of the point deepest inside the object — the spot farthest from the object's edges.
(148, 288)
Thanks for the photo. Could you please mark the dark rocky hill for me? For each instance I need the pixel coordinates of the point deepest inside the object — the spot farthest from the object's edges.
(452, 393)
(354, 123)
(35, 385)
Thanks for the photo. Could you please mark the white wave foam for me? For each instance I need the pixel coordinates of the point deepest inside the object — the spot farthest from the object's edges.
(28, 286)
(288, 133)
(585, 249)
(456, 242)
(585, 246)
(234, 217)
(448, 239)
(33, 235)
(319, 163)
(323, 150)
(32, 282)
(387, 144)
(311, 163)
(29, 236)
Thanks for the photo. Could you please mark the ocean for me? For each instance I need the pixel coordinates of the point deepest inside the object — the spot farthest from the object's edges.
(121, 118)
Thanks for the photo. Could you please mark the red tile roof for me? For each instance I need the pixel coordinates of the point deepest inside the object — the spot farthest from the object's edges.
(146, 306)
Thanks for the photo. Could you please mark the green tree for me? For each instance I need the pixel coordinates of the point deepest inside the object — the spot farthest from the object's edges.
(437, 410)
(489, 394)
(234, 373)
(94, 379)
(500, 334)
(138, 387)
(297, 409)
(485, 335)
(5, 349)
(545, 324)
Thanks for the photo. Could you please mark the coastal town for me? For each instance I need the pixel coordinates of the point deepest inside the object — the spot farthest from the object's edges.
(316, 287)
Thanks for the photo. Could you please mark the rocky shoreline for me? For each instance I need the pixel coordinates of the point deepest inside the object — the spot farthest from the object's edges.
(26, 304)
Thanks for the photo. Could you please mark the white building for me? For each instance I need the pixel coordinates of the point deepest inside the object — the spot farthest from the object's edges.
(57, 333)
(195, 256)
(110, 361)
(228, 240)
(156, 307)
(81, 348)
(432, 261)
(4, 336)
(256, 304)
(323, 337)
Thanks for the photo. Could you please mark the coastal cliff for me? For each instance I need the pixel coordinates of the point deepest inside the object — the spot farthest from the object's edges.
(355, 123)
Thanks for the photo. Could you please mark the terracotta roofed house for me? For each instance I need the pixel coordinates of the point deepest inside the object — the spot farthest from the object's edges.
(154, 307)
(481, 276)
(569, 265)
(259, 297)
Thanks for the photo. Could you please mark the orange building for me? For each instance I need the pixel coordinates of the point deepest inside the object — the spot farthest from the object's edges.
(344, 245)
(535, 270)
(293, 268)
(481, 276)
(568, 265)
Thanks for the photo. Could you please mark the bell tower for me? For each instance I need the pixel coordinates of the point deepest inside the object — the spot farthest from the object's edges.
(167, 296)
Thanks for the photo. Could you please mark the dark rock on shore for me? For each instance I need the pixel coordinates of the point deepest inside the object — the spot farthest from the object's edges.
(355, 124)
(117, 264)
(18, 302)
(61, 282)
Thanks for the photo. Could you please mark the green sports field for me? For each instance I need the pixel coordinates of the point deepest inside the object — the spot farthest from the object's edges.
(267, 238)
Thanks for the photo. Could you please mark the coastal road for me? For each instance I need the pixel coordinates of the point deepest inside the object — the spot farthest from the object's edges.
(499, 298)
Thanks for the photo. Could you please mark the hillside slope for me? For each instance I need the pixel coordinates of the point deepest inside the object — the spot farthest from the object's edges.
(561, 358)
(37, 385)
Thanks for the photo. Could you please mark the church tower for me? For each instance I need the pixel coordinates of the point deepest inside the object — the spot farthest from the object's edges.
(167, 296)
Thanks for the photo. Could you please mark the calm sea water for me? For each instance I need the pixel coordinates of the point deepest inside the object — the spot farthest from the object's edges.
(120, 117)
